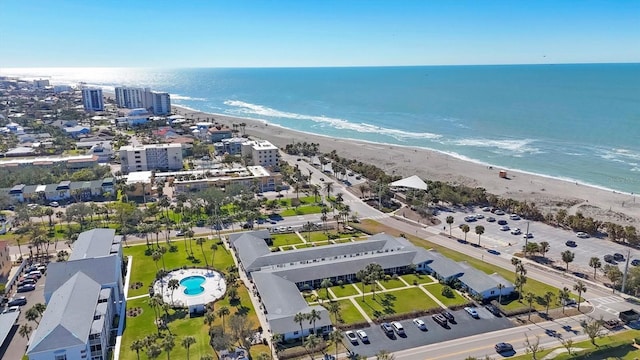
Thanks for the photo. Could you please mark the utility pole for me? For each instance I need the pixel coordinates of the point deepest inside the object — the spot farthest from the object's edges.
(626, 270)
(526, 240)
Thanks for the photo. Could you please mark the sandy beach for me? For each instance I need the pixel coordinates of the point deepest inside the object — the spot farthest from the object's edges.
(547, 193)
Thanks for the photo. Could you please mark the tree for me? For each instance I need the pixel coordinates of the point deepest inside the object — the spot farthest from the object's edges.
(214, 247)
(519, 283)
(529, 298)
(275, 340)
(326, 284)
(222, 312)
(568, 344)
(544, 248)
(479, 231)
(168, 343)
(363, 277)
(548, 296)
(154, 350)
(581, 288)
(173, 285)
(592, 328)
(375, 274)
(450, 221)
(515, 262)
(500, 287)
(563, 296)
(533, 347)
(385, 355)
(187, 341)
(595, 263)
(465, 229)
(32, 315)
(136, 346)
(299, 318)
(209, 317)
(241, 328)
(311, 343)
(25, 331)
(614, 274)
(336, 338)
(312, 317)
(567, 257)
(334, 309)
(200, 241)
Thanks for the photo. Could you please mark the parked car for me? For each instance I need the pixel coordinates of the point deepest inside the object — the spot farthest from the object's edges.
(54, 204)
(472, 311)
(516, 231)
(449, 316)
(479, 216)
(503, 347)
(618, 257)
(363, 336)
(571, 243)
(35, 273)
(179, 233)
(420, 324)
(493, 309)
(11, 309)
(528, 236)
(440, 319)
(386, 327)
(351, 336)
(635, 262)
(491, 219)
(19, 301)
(27, 281)
(499, 212)
(514, 217)
(582, 235)
(504, 228)
(398, 328)
(26, 288)
(609, 258)
(486, 208)
(502, 222)
(470, 218)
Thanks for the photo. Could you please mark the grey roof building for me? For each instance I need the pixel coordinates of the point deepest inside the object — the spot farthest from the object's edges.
(96, 243)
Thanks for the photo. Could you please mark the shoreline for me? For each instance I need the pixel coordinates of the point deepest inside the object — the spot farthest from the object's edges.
(548, 193)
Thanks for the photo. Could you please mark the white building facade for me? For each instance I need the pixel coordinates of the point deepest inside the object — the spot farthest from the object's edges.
(262, 153)
(132, 98)
(161, 103)
(151, 157)
(92, 99)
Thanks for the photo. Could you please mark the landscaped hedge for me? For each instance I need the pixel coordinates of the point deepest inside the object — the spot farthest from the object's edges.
(300, 351)
(358, 325)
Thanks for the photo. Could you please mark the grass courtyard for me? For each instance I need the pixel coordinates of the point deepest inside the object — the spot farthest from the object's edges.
(395, 302)
(285, 239)
(344, 290)
(418, 278)
(393, 284)
(436, 290)
(349, 314)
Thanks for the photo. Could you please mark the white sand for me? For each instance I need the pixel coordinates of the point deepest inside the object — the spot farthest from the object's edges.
(547, 193)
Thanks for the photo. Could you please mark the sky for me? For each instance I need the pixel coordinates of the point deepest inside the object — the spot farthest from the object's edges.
(298, 33)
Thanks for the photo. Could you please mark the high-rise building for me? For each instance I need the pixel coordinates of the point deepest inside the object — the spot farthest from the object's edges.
(151, 157)
(92, 99)
(133, 98)
(161, 103)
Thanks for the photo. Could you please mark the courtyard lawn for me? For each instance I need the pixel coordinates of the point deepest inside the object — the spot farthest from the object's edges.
(144, 268)
(349, 314)
(344, 290)
(285, 239)
(342, 241)
(436, 290)
(302, 210)
(396, 302)
(418, 278)
(393, 284)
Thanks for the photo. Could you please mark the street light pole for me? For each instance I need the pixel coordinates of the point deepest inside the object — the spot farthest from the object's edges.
(526, 240)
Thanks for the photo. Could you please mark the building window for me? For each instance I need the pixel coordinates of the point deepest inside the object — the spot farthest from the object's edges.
(61, 357)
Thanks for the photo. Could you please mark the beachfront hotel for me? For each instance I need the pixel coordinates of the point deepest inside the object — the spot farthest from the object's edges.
(84, 297)
(160, 103)
(92, 99)
(133, 98)
(151, 157)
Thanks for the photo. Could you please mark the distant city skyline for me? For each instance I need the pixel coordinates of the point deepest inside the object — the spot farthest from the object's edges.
(71, 33)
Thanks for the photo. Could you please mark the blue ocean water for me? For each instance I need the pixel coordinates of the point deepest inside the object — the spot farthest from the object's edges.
(574, 122)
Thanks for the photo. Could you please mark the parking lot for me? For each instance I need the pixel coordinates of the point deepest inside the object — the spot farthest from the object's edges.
(464, 326)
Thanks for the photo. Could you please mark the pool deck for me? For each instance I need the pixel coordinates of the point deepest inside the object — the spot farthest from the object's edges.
(214, 288)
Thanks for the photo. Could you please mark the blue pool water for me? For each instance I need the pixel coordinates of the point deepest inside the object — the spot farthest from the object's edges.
(192, 285)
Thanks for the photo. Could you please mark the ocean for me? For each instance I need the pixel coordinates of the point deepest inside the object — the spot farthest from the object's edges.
(580, 123)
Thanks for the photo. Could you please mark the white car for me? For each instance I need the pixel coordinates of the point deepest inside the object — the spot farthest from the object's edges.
(514, 217)
(362, 335)
(499, 212)
(504, 228)
(582, 235)
(398, 328)
(479, 216)
(11, 309)
(516, 231)
(420, 324)
(351, 336)
(528, 236)
(472, 311)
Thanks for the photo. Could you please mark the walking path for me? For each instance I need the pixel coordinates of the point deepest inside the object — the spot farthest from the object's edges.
(360, 309)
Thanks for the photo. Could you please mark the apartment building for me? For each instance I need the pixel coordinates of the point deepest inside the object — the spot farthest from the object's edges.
(92, 99)
(133, 98)
(151, 157)
(161, 103)
(261, 152)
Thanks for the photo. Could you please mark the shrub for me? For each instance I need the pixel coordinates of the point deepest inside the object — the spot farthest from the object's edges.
(387, 277)
(394, 276)
(447, 292)
(340, 283)
(415, 282)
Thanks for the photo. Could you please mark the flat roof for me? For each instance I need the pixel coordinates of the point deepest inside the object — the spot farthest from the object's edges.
(139, 177)
(7, 321)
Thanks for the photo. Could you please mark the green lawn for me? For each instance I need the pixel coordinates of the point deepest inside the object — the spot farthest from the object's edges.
(302, 210)
(396, 302)
(342, 241)
(144, 268)
(393, 283)
(349, 314)
(419, 278)
(322, 236)
(344, 290)
(436, 290)
(285, 239)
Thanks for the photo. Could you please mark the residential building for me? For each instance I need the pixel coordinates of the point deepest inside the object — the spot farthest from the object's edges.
(219, 132)
(40, 84)
(261, 152)
(5, 260)
(132, 97)
(92, 99)
(84, 297)
(196, 180)
(71, 162)
(279, 276)
(62, 88)
(134, 117)
(151, 157)
(231, 146)
(161, 103)
(65, 190)
(76, 131)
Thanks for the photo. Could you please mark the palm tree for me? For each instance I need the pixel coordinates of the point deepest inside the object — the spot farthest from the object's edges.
(311, 343)
(567, 257)
(200, 241)
(479, 231)
(520, 281)
(450, 221)
(25, 331)
(548, 296)
(364, 278)
(209, 318)
(581, 288)
(500, 287)
(299, 318)
(214, 247)
(375, 274)
(154, 350)
(168, 343)
(336, 338)
(385, 355)
(326, 284)
(529, 299)
(515, 262)
(334, 309)
(187, 341)
(315, 189)
(222, 312)
(563, 296)
(595, 263)
(173, 285)
(544, 248)
(275, 340)
(312, 317)
(136, 346)
(465, 230)
(32, 315)
(328, 188)
(154, 303)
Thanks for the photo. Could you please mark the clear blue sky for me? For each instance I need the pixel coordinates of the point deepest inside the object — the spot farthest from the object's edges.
(266, 33)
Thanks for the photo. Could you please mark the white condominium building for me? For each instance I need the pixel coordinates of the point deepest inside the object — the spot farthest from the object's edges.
(151, 157)
(92, 99)
(262, 152)
(133, 98)
(161, 103)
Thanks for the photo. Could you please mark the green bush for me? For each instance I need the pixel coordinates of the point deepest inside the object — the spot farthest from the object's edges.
(447, 292)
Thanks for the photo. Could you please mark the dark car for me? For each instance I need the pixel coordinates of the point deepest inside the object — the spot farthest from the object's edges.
(609, 259)
(491, 219)
(440, 319)
(502, 222)
(449, 316)
(386, 327)
(19, 301)
(493, 251)
(618, 257)
(571, 243)
(493, 309)
(503, 347)
(635, 262)
(26, 288)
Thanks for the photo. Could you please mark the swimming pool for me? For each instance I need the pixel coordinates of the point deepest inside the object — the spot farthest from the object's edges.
(193, 284)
